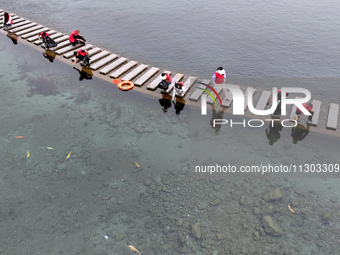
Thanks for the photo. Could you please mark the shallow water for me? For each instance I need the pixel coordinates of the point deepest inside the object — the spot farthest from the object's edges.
(54, 205)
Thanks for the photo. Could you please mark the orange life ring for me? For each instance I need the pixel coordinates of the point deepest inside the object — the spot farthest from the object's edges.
(122, 85)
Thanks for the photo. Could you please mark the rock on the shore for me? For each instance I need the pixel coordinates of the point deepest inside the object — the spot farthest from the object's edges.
(274, 195)
(271, 227)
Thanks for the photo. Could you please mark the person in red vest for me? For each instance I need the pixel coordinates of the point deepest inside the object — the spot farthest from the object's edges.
(166, 77)
(309, 107)
(165, 81)
(75, 38)
(219, 76)
(47, 40)
(82, 55)
(43, 35)
(7, 20)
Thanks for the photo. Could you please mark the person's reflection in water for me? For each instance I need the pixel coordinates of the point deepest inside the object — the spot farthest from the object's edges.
(50, 55)
(217, 115)
(301, 130)
(85, 73)
(273, 134)
(13, 37)
(165, 102)
(179, 105)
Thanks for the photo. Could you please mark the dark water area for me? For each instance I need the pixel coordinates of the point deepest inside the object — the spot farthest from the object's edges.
(130, 178)
(252, 39)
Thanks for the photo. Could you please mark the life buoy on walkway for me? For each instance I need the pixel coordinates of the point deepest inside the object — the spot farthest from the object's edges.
(126, 85)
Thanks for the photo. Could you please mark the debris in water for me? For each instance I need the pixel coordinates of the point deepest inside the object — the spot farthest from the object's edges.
(290, 209)
(133, 249)
(28, 154)
(68, 156)
(19, 136)
(137, 164)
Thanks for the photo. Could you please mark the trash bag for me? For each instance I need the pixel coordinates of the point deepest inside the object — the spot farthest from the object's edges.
(49, 42)
(86, 60)
(163, 85)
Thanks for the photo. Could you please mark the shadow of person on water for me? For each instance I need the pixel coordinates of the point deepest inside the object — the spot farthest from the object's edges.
(85, 73)
(13, 37)
(301, 130)
(216, 115)
(50, 55)
(179, 105)
(274, 129)
(165, 102)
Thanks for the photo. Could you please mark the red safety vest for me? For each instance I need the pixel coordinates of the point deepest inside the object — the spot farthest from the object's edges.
(82, 53)
(71, 38)
(179, 85)
(42, 34)
(219, 78)
(306, 106)
(9, 19)
(168, 77)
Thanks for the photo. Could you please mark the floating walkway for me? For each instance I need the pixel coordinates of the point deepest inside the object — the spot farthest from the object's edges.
(108, 65)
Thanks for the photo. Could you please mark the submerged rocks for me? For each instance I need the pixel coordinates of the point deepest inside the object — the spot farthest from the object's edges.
(271, 227)
(327, 216)
(294, 202)
(301, 193)
(274, 195)
(216, 202)
(196, 230)
(221, 236)
(242, 200)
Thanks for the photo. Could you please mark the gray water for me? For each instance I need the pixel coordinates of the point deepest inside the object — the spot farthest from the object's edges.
(251, 39)
(54, 205)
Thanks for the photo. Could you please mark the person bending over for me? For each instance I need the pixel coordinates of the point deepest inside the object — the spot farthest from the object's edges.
(47, 40)
(178, 88)
(82, 55)
(7, 20)
(76, 38)
(309, 107)
(165, 81)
